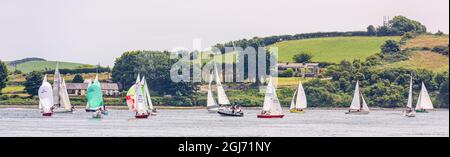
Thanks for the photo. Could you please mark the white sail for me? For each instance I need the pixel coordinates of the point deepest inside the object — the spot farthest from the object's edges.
(148, 99)
(365, 107)
(56, 86)
(410, 94)
(424, 101)
(293, 100)
(138, 79)
(45, 96)
(210, 100)
(356, 102)
(221, 96)
(141, 107)
(64, 96)
(96, 78)
(271, 102)
(301, 102)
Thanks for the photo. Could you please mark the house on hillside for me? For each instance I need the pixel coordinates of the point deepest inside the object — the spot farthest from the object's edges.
(80, 89)
(301, 69)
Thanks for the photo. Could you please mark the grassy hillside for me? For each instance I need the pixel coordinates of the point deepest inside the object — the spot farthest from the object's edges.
(428, 41)
(42, 65)
(333, 49)
(424, 59)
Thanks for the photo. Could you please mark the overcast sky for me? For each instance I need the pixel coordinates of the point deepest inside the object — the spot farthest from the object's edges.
(98, 31)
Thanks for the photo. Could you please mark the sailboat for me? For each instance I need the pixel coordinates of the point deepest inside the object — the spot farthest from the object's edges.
(409, 110)
(424, 102)
(60, 96)
(140, 90)
(222, 98)
(272, 107)
(298, 103)
(95, 98)
(356, 107)
(46, 98)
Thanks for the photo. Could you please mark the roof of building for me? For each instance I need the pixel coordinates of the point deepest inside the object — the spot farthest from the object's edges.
(296, 65)
(104, 86)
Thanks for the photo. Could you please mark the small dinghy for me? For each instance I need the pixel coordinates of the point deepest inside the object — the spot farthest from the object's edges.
(272, 107)
(298, 103)
(409, 110)
(424, 102)
(95, 98)
(46, 98)
(60, 96)
(356, 107)
(234, 111)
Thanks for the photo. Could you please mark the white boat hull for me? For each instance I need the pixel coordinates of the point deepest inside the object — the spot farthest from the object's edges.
(358, 112)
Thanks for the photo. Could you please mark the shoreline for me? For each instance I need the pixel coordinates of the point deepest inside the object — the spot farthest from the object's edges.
(203, 107)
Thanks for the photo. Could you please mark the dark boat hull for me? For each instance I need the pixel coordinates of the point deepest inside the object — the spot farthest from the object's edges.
(230, 114)
(144, 116)
(47, 114)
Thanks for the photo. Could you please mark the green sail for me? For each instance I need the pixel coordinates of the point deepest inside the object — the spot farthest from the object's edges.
(95, 96)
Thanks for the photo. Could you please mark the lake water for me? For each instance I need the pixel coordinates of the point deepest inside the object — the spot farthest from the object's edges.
(198, 122)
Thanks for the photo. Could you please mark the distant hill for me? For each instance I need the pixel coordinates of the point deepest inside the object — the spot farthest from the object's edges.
(20, 61)
(331, 49)
(424, 59)
(37, 64)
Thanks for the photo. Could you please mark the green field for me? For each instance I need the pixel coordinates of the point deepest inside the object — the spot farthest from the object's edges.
(332, 49)
(43, 65)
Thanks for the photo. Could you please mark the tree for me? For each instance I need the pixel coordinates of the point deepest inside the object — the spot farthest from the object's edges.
(155, 66)
(443, 96)
(78, 79)
(3, 75)
(302, 58)
(371, 30)
(390, 47)
(400, 25)
(32, 83)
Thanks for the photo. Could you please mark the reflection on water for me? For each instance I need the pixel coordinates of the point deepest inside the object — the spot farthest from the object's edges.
(29, 122)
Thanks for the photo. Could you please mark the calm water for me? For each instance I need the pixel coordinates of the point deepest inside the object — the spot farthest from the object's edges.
(28, 122)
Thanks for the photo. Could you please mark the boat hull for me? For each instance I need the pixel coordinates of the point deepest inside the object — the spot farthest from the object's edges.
(270, 116)
(47, 114)
(230, 113)
(90, 110)
(296, 111)
(144, 116)
(358, 112)
(422, 111)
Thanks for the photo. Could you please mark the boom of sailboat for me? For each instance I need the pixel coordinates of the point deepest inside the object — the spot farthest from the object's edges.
(55, 99)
